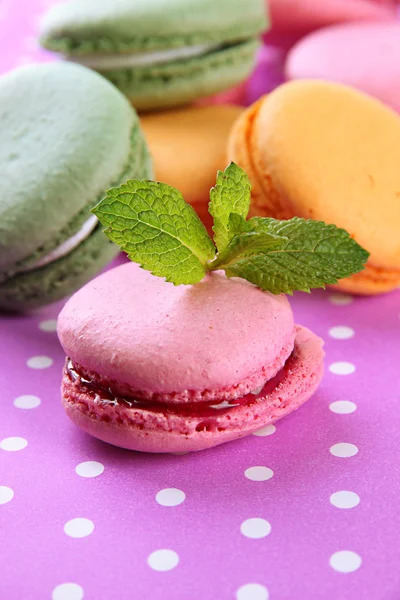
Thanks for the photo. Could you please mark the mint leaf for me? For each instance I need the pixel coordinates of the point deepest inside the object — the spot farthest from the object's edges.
(152, 223)
(237, 225)
(231, 194)
(246, 244)
(312, 254)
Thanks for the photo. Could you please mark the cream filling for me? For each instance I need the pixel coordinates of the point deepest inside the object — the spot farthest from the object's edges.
(66, 247)
(108, 62)
(223, 405)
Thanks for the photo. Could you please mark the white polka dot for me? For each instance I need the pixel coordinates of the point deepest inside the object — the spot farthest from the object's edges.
(345, 499)
(345, 561)
(67, 591)
(252, 591)
(6, 494)
(343, 450)
(27, 402)
(264, 431)
(258, 473)
(255, 528)
(342, 368)
(340, 299)
(163, 560)
(39, 362)
(12, 444)
(170, 497)
(343, 407)
(90, 468)
(79, 528)
(341, 332)
(50, 325)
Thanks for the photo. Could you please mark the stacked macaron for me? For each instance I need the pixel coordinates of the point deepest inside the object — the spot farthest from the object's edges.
(160, 53)
(203, 349)
(182, 368)
(325, 151)
(67, 135)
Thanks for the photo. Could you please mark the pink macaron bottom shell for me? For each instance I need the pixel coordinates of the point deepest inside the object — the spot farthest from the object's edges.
(159, 428)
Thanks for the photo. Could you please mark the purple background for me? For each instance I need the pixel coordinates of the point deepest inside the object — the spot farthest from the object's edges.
(40, 490)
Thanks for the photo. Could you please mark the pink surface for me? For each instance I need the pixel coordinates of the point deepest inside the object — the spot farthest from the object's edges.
(280, 515)
(363, 55)
(136, 329)
(181, 428)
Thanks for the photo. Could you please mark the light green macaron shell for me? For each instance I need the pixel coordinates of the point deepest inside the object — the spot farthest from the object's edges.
(68, 135)
(86, 28)
(180, 82)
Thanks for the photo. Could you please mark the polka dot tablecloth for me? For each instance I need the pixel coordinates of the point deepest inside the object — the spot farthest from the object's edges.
(301, 510)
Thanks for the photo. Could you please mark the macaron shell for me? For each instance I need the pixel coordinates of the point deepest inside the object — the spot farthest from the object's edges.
(306, 15)
(371, 281)
(147, 431)
(85, 26)
(363, 55)
(328, 152)
(184, 81)
(134, 328)
(66, 137)
(188, 147)
(55, 281)
(265, 200)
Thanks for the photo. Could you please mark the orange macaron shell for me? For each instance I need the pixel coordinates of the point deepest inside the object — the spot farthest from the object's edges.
(188, 147)
(325, 151)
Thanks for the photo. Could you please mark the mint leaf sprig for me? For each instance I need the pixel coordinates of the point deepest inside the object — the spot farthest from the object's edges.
(152, 223)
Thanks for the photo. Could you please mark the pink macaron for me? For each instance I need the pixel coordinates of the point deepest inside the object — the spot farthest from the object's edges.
(363, 55)
(301, 16)
(161, 368)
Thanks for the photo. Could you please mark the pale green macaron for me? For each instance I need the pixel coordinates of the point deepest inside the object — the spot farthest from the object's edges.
(67, 135)
(160, 52)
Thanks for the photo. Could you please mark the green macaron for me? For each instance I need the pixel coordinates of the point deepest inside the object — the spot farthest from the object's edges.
(160, 52)
(67, 135)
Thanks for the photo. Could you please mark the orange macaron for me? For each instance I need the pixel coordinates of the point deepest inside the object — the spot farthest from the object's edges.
(325, 151)
(188, 146)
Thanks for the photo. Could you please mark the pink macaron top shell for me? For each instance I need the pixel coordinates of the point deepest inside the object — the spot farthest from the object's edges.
(363, 55)
(131, 327)
(291, 16)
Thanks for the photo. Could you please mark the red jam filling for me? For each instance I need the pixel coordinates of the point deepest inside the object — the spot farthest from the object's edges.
(105, 395)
